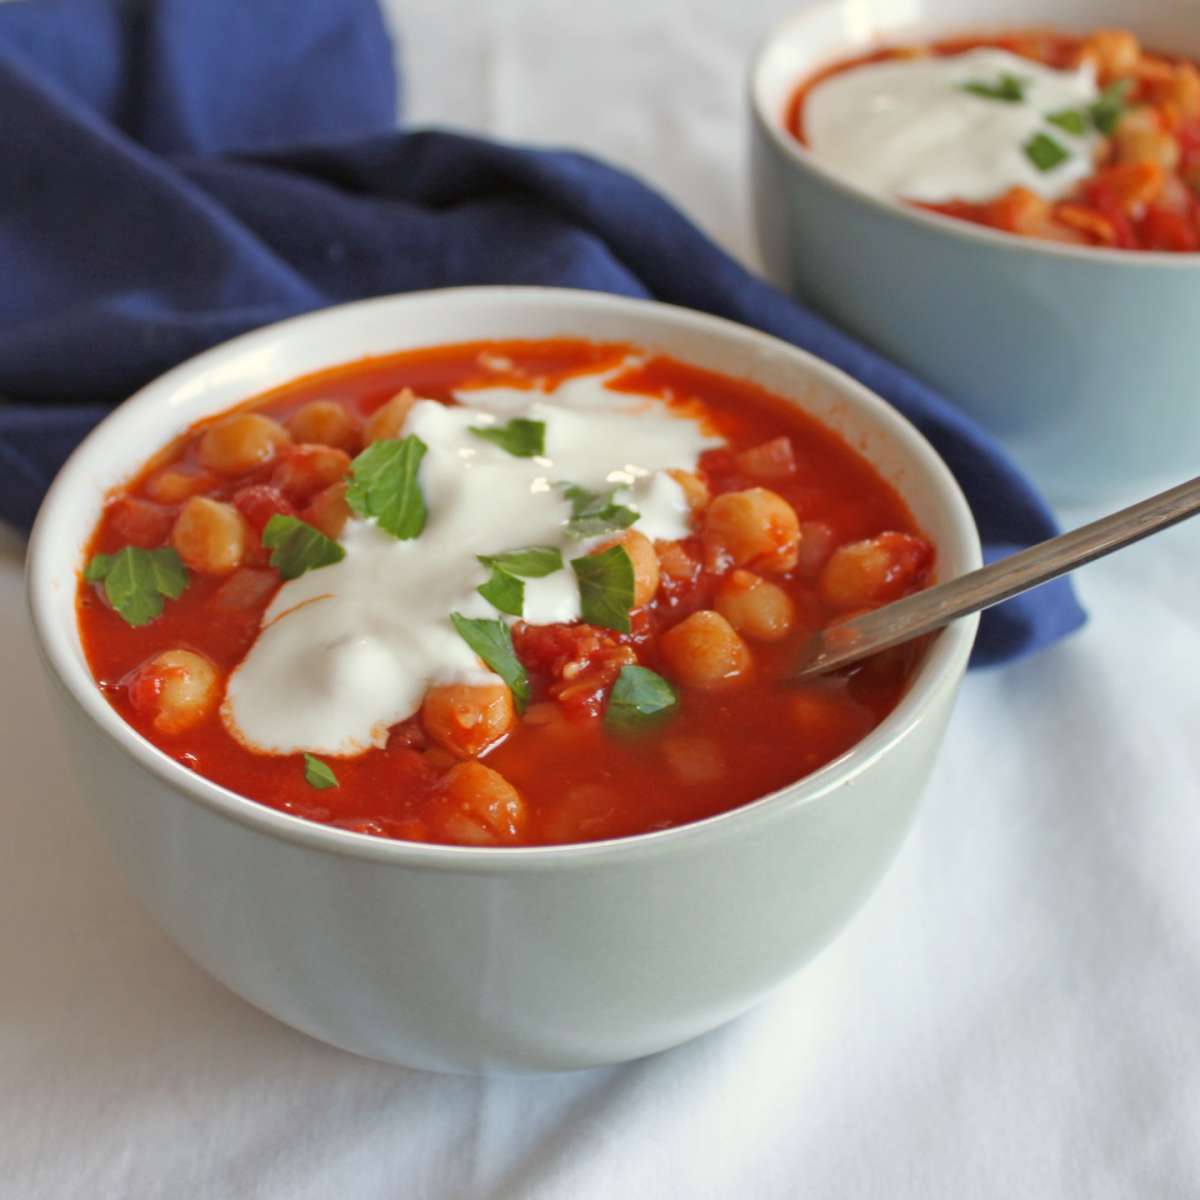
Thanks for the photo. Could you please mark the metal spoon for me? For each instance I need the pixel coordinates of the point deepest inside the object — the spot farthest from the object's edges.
(840, 645)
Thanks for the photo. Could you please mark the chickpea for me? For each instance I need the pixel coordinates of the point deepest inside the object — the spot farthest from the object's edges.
(387, 421)
(583, 813)
(1137, 144)
(676, 561)
(1114, 51)
(240, 443)
(210, 536)
(694, 761)
(324, 423)
(466, 718)
(703, 651)
(1019, 210)
(1182, 92)
(305, 470)
(645, 563)
(328, 511)
(755, 528)
(484, 808)
(172, 486)
(695, 490)
(827, 720)
(176, 688)
(860, 575)
(759, 610)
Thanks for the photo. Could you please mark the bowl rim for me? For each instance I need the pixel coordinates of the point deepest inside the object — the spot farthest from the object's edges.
(941, 668)
(799, 155)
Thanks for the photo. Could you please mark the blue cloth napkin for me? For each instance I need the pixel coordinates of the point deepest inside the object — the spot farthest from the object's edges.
(175, 173)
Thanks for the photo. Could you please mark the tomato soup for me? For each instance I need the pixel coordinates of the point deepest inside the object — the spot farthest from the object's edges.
(1090, 141)
(498, 594)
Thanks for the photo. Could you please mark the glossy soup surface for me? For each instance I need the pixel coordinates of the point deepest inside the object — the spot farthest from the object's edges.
(562, 771)
(1140, 187)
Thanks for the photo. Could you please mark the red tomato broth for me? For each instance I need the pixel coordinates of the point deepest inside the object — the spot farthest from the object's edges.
(579, 780)
(1108, 208)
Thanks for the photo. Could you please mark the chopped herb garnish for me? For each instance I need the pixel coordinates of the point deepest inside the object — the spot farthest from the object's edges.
(318, 774)
(596, 512)
(521, 437)
(136, 580)
(506, 592)
(492, 641)
(1071, 120)
(639, 700)
(530, 562)
(1008, 88)
(505, 589)
(297, 547)
(1106, 110)
(383, 484)
(1044, 152)
(605, 588)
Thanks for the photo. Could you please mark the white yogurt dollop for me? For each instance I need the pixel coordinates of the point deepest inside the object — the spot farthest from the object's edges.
(907, 129)
(348, 650)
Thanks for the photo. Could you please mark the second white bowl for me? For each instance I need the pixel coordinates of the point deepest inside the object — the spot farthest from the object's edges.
(1082, 360)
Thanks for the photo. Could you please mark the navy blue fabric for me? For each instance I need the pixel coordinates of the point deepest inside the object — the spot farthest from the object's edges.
(179, 172)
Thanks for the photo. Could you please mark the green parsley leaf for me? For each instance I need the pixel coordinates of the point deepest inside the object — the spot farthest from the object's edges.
(1071, 120)
(383, 484)
(492, 641)
(596, 512)
(1008, 88)
(297, 547)
(505, 591)
(136, 580)
(521, 437)
(1044, 152)
(529, 562)
(639, 700)
(100, 566)
(319, 775)
(1106, 110)
(605, 588)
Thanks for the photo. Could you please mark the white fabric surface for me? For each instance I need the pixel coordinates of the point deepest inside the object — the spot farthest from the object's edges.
(1013, 1015)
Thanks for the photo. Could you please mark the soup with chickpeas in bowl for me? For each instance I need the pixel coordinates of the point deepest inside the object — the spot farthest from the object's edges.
(1077, 139)
(498, 594)
(430, 683)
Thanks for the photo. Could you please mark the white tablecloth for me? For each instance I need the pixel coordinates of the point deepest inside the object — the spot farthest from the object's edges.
(1015, 1013)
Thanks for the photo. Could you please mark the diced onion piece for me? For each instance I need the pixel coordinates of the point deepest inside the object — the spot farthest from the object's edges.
(387, 421)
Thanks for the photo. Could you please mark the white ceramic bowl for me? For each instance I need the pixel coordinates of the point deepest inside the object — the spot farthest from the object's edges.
(1084, 361)
(466, 959)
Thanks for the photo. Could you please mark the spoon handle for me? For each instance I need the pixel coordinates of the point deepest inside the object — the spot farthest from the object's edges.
(934, 607)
